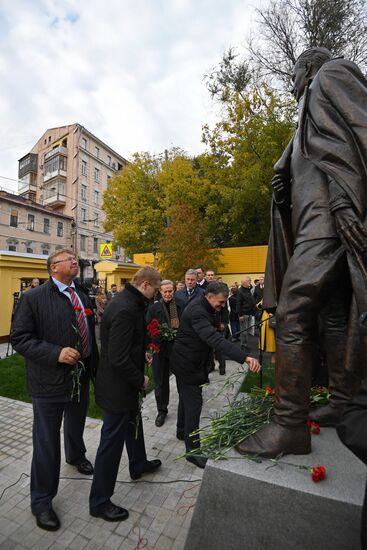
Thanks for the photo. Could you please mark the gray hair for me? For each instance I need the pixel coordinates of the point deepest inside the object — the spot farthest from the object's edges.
(191, 272)
(217, 288)
(51, 258)
(167, 282)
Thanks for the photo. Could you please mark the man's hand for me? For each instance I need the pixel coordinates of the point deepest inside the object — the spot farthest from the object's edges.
(242, 318)
(351, 229)
(253, 364)
(148, 358)
(146, 382)
(280, 187)
(69, 356)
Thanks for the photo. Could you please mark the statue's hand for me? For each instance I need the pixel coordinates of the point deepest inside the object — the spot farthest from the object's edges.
(280, 187)
(351, 229)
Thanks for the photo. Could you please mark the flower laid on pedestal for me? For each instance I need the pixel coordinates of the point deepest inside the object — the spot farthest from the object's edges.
(246, 416)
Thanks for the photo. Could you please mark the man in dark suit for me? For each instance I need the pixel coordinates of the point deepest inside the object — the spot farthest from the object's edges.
(201, 281)
(258, 296)
(166, 311)
(53, 330)
(191, 290)
(119, 387)
(195, 339)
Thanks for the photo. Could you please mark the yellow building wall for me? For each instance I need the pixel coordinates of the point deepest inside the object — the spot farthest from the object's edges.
(110, 272)
(14, 269)
(238, 262)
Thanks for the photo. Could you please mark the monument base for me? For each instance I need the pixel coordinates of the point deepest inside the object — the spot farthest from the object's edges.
(244, 505)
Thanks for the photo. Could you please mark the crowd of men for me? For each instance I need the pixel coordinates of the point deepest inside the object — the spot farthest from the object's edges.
(54, 329)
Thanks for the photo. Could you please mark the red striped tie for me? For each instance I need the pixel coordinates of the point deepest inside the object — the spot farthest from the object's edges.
(82, 324)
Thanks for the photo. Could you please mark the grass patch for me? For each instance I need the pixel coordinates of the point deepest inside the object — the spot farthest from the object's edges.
(253, 380)
(13, 385)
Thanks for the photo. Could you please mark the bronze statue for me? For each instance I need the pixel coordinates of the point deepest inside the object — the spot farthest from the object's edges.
(316, 267)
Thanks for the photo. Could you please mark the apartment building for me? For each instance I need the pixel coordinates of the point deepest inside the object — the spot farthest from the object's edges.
(67, 171)
(26, 226)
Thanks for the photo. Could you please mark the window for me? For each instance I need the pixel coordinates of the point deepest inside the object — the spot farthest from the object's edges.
(84, 143)
(97, 152)
(84, 192)
(60, 229)
(54, 165)
(13, 218)
(109, 160)
(96, 174)
(83, 214)
(108, 178)
(46, 226)
(29, 250)
(45, 252)
(96, 219)
(82, 242)
(95, 245)
(84, 167)
(30, 224)
(96, 197)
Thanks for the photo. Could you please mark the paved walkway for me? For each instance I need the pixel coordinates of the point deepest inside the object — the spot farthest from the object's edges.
(160, 507)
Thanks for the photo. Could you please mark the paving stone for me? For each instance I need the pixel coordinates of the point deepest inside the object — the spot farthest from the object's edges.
(161, 511)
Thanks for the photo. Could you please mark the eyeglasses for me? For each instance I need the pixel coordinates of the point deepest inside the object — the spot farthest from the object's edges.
(70, 259)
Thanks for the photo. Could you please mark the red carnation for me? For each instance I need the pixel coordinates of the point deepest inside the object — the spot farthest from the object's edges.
(269, 391)
(153, 328)
(88, 311)
(78, 309)
(313, 426)
(152, 348)
(318, 473)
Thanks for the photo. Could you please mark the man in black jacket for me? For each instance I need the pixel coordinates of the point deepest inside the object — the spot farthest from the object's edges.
(119, 386)
(246, 310)
(191, 290)
(195, 339)
(166, 311)
(53, 330)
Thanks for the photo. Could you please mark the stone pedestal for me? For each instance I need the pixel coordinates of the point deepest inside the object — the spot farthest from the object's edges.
(243, 505)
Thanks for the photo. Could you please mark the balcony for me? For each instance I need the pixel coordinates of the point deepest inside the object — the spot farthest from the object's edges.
(54, 195)
(54, 200)
(57, 151)
(27, 165)
(26, 187)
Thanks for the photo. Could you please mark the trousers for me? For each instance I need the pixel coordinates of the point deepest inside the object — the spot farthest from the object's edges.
(46, 459)
(117, 430)
(190, 402)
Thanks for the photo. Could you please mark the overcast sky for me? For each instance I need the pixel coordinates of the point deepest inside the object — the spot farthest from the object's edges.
(130, 71)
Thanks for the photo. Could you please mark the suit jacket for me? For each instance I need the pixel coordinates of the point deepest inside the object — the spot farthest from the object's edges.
(120, 373)
(195, 339)
(43, 325)
(183, 296)
(258, 294)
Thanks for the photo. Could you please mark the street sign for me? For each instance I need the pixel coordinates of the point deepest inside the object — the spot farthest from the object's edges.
(105, 250)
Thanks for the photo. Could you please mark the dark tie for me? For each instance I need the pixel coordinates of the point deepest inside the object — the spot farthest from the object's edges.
(80, 319)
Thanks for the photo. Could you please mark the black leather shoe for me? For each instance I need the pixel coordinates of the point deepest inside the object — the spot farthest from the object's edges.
(110, 512)
(159, 421)
(150, 467)
(199, 461)
(48, 520)
(85, 468)
(222, 371)
(179, 436)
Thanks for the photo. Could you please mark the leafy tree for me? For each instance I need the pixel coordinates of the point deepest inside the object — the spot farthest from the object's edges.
(243, 148)
(132, 205)
(185, 243)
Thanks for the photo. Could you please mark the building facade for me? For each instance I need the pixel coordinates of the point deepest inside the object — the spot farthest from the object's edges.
(67, 171)
(28, 227)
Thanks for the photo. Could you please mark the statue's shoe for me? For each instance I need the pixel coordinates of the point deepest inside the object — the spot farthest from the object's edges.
(275, 439)
(327, 416)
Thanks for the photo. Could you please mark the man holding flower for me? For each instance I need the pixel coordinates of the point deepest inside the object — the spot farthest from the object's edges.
(166, 313)
(54, 331)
